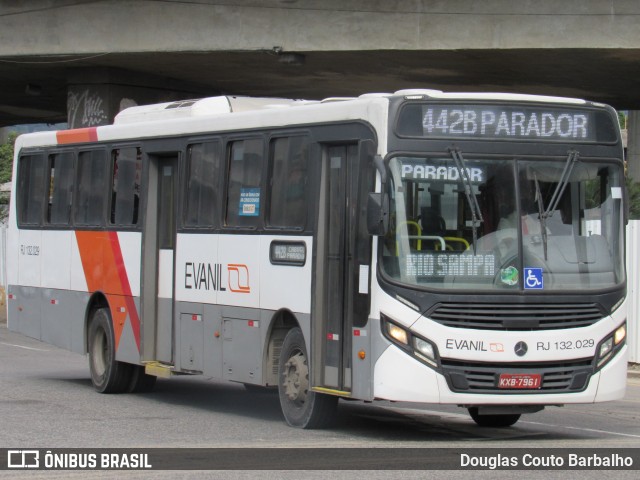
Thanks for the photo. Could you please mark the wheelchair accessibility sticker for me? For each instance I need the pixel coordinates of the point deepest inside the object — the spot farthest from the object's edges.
(533, 278)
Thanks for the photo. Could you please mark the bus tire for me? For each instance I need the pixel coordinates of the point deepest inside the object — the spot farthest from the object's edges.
(107, 374)
(301, 407)
(494, 421)
(140, 381)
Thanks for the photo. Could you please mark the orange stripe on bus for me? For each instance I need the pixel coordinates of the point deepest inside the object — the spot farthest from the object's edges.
(79, 135)
(105, 271)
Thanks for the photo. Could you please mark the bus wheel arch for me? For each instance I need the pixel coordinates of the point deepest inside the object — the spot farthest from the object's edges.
(98, 300)
(281, 322)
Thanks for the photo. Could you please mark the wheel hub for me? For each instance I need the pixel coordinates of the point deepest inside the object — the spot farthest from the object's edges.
(296, 378)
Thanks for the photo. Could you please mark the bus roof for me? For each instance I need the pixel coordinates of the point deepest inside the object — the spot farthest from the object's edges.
(226, 113)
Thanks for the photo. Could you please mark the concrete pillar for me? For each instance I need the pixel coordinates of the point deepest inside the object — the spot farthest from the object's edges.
(633, 145)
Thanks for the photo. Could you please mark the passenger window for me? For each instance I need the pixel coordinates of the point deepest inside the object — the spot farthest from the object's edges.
(60, 189)
(203, 163)
(125, 185)
(245, 175)
(31, 181)
(287, 182)
(90, 195)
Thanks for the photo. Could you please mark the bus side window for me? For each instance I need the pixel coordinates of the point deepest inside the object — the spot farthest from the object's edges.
(203, 165)
(125, 185)
(244, 196)
(31, 197)
(60, 189)
(90, 194)
(287, 183)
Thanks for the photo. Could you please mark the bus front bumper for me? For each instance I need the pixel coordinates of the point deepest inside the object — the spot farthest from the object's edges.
(400, 377)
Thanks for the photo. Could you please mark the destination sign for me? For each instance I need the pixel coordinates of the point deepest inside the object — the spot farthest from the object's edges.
(500, 122)
(419, 170)
(444, 264)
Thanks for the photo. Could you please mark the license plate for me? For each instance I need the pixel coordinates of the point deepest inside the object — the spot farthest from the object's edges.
(518, 381)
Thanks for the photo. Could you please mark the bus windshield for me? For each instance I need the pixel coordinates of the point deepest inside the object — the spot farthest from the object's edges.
(509, 224)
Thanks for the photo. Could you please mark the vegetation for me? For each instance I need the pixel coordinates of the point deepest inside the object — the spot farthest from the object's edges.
(633, 192)
(6, 158)
(622, 119)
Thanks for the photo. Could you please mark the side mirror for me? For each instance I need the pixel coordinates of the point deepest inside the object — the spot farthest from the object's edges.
(378, 214)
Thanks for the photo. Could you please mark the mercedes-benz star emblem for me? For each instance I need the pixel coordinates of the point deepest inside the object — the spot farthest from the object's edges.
(521, 349)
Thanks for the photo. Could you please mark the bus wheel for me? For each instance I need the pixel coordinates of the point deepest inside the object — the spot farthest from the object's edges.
(107, 374)
(140, 382)
(301, 407)
(496, 421)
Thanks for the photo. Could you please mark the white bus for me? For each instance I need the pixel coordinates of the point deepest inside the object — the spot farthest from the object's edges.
(420, 246)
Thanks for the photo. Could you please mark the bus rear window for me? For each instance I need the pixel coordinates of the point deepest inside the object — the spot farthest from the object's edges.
(31, 180)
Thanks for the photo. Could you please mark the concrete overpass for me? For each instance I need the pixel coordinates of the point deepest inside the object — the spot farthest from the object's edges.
(83, 60)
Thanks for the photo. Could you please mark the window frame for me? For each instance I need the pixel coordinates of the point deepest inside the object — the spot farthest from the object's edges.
(219, 175)
(50, 190)
(104, 184)
(113, 225)
(258, 222)
(269, 182)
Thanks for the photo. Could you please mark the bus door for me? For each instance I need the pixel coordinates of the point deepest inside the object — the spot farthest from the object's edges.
(158, 260)
(342, 265)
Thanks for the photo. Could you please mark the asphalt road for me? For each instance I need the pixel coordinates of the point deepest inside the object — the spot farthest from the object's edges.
(46, 401)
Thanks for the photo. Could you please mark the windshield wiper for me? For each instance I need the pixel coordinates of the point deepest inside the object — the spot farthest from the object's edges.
(572, 159)
(541, 215)
(476, 214)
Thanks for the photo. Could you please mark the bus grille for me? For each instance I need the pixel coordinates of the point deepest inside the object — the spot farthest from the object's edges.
(485, 316)
(469, 377)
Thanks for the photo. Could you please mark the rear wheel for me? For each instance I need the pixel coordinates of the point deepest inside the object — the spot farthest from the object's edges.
(107, 374)
(301, 407)
(496, 421)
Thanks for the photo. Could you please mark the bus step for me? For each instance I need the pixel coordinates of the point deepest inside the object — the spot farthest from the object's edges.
(158, 369)
(330, 391)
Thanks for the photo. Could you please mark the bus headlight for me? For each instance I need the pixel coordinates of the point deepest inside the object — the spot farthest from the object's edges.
(425, 350)
(621, 334)
(606, 347)
(610, 345)
(418, 347)
(398, 333)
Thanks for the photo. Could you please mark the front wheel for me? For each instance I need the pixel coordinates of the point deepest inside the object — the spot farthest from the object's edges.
(495, 421)
(107, 374)
(301, 407)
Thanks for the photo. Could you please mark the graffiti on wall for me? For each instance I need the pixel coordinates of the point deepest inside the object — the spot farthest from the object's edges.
(85, 109)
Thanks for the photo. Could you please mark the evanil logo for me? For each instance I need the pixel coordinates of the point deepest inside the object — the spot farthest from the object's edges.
(210, 277)
(238, 278)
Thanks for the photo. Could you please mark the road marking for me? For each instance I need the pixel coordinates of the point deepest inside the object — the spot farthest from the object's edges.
(466, 417)
(26, 348)
(584, 429)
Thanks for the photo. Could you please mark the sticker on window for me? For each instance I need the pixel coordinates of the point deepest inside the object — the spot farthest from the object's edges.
(509, 276)
(533, 278)
(249, 202)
